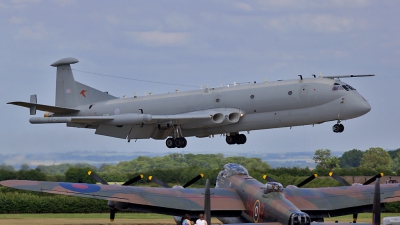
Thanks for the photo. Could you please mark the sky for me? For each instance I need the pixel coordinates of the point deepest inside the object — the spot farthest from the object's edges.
(189, 44)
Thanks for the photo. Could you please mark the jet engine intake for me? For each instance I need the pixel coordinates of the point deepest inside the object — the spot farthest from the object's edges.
(233, 117)
(218, 118)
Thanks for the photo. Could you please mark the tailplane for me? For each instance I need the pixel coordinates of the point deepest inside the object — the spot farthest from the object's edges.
(71, 94)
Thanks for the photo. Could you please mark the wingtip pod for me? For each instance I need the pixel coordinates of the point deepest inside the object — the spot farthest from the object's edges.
(64, 61)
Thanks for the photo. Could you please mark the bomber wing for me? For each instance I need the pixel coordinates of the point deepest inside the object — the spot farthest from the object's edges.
(172, 201)
(340, 200)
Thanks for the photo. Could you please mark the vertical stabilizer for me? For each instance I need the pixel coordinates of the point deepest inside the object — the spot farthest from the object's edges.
(71, 94)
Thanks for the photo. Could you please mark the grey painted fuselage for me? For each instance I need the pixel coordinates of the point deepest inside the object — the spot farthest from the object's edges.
(201, 113)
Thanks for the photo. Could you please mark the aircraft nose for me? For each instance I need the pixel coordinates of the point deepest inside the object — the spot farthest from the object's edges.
(363, 106)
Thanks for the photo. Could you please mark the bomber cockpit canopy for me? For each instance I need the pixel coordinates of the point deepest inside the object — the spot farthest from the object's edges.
(231, 169)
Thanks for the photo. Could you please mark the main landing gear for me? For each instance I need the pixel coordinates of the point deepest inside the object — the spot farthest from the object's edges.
(338, 128)
(236, 139)
(178, 141)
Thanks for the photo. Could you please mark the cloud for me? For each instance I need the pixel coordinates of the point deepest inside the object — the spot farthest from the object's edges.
(112, 20)
(304, 4)
(16, 20)
(159, 38)
(243, 6)
(20, 4)
(324, 23)
(35, 32)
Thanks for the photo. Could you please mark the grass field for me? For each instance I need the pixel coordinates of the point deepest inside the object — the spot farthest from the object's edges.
(130, 218)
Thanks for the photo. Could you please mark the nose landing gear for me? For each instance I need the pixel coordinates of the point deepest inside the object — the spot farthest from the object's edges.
(338, 128)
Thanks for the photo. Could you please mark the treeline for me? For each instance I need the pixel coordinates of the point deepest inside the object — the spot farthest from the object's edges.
(175, 169)
(372, 158)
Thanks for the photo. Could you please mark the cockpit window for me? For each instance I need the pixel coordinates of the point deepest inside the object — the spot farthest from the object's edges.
(234, 169)
(272, 187)
(345, 87)
(337, 86)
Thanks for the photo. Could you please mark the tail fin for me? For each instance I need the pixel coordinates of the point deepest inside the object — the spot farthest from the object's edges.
(71, 94)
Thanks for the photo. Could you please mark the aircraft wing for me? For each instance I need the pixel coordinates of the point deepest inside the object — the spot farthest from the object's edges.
(335, 200)
(173, 201)
(46, 108)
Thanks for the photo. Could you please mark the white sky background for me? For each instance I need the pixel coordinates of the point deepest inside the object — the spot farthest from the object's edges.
(198, 43)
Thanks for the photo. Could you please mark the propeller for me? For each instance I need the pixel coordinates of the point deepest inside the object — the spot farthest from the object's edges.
(304, 182)
(379, 175)
(376, 207)
(159, 182)
(97, 178)
(194, 180)
(207, 203)
(165, 185)
(341, 180)
(110, 203)
(345, 183)
(269, 179)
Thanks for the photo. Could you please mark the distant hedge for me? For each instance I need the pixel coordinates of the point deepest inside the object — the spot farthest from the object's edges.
(32, 203)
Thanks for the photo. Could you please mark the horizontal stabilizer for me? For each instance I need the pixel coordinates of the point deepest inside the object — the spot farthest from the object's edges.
(46, 108)
(347, 76)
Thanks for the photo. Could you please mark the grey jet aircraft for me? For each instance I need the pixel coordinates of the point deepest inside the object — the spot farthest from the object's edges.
(201, 113)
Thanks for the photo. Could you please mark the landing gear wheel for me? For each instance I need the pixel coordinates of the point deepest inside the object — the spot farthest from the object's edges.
(230, 140)
(341, 128)
(170, 143)
(184, 142)
(336, 128)
(180, 142)
(241, 139)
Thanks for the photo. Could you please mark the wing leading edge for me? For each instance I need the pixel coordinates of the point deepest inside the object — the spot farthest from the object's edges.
(224, 200)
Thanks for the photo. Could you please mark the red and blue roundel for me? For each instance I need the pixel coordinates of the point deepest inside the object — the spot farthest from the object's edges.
(82, 188)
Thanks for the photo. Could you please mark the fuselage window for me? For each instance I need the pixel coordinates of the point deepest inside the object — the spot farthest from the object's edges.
(345, 87)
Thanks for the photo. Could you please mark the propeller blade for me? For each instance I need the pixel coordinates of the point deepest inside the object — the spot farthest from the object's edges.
(97, 178)
(376, 207)
(192, 181)
(355, 215)
(207, 203)
(341, 180)
(159, 182)
(379, 175)
(112, 214)
(310, 178)
(133, 180)
(269, 179)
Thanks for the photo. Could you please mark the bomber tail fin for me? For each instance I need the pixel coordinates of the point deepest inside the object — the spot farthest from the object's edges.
(71, 94)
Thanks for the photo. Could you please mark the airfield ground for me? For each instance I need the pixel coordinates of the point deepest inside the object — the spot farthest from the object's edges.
(128, 218)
